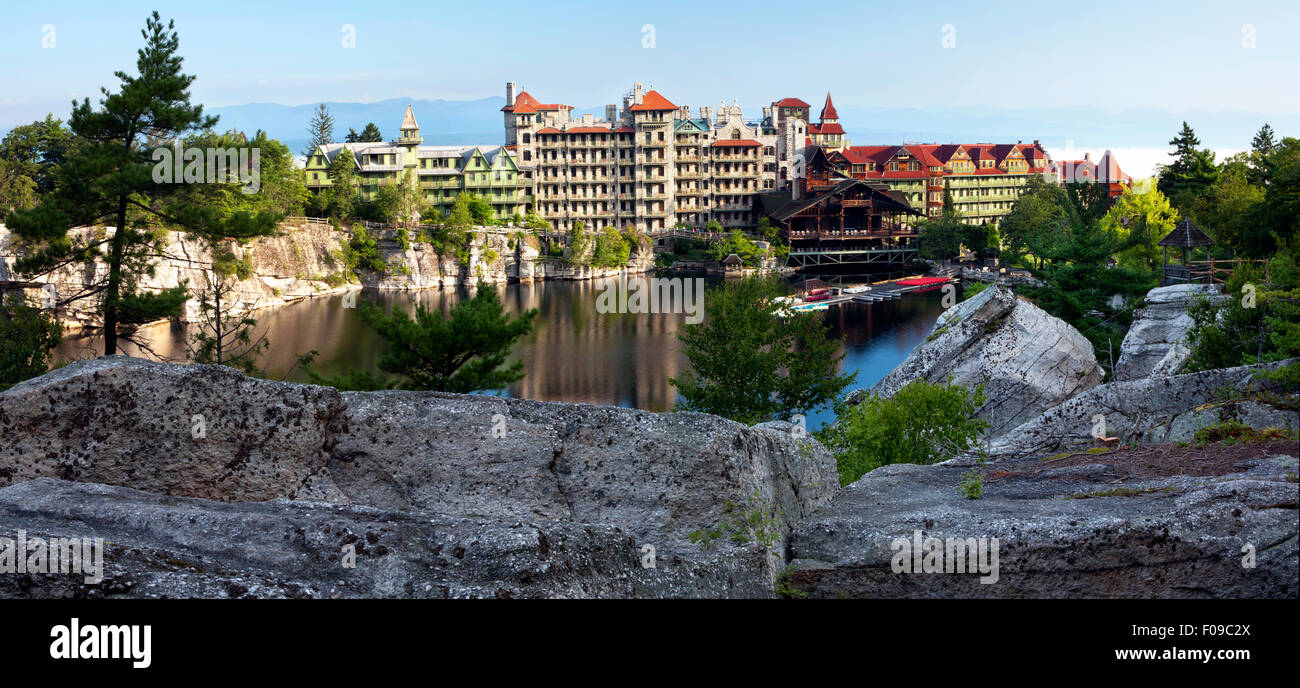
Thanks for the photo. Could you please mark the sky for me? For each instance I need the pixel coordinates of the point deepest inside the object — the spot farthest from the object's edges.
(1176, 57)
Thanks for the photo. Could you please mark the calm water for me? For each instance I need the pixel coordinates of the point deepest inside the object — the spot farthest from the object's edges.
(573, 354)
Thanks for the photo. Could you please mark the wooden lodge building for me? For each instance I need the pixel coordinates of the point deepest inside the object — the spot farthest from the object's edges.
(826, 212)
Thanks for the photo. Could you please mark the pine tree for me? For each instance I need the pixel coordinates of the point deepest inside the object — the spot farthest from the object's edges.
(1192, 171)
(1261, 147)
(320, 131)
(108, 179)
(370, 134)
(1264, 142)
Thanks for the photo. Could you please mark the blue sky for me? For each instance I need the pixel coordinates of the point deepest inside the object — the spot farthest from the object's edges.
(1132, 54)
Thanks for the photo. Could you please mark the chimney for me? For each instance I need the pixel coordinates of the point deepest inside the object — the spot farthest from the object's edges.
(510, 93)
(588, 119)
(706, 113)
(637, 92)
(767, 114)
(611, 113)
(684, 112)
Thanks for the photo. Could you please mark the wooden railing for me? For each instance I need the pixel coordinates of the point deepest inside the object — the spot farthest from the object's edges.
(1208, 271)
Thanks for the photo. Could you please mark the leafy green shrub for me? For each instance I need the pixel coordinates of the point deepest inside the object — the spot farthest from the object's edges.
(612, 249)
(922, 423)
(27, 337)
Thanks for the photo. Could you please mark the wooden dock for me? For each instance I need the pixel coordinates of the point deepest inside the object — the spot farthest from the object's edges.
(888, 290)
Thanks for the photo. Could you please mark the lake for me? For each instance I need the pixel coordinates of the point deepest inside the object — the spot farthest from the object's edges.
(574, 354)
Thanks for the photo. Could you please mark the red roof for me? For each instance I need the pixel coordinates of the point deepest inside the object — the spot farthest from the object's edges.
(734, 143)
(651, 101)
(549, 130)
(791, 102)
(526, 103)
(832, 128)
(625, 130)
(587, 130)
(828, 110)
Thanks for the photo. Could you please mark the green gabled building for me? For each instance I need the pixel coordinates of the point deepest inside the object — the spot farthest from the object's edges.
(443, 172)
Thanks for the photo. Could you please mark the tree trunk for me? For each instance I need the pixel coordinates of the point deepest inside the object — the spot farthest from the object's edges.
(113, 291)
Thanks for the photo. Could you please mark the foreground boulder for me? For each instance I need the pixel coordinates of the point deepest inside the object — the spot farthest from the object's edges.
(1156, 522)
(1153, 409)
(1156, 341)
(211, 433)
(1027, 360)
(160, 546)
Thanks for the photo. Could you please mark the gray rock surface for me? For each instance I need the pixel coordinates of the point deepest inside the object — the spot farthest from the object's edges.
(1089, 530)
(655, 477)
(1027, 360)
(1156, 342)
(160, 546)
(1153, 409)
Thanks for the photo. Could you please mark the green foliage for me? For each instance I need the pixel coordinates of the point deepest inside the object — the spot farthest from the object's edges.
(320, 131)
(1192, 172)
(970, 289)
(613, 249)
(751, 365)
(1258, 323)
(579, 243)
(28, 336)
(750, 253)
(753, 521)
(1137, 221)
(941, 238)
(362, 253)
(972, 484)
(107, 179)
(923, 423)
(464, 352)
(342, 196)
(138, 308)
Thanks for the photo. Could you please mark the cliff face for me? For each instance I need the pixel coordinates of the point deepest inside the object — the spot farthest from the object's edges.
(303, 261)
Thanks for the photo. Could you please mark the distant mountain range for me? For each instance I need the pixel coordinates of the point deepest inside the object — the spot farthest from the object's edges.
(1089, 128)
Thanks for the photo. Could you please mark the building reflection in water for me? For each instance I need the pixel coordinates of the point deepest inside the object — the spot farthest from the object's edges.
(573, 354)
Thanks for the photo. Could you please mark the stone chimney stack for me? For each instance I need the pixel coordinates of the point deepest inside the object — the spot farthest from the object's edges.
(638, 91)
(611, 113)
(767, 115)
(510, 92)
(706, 113)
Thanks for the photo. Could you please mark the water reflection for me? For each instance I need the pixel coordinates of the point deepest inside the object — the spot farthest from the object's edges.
(573, 354)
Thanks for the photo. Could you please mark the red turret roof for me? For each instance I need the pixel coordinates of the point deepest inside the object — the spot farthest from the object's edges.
(653, 100)
(791, 102)
(828, 110)
(526, 103)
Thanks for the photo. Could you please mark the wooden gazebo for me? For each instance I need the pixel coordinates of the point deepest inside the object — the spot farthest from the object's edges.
(1185, 236)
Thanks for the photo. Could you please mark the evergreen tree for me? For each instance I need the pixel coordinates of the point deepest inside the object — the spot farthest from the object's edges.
(1191, 173)
(320, 131)
(370, 134)
(464, 352)
(1261, 147)
(751, 365)
(108, 179)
